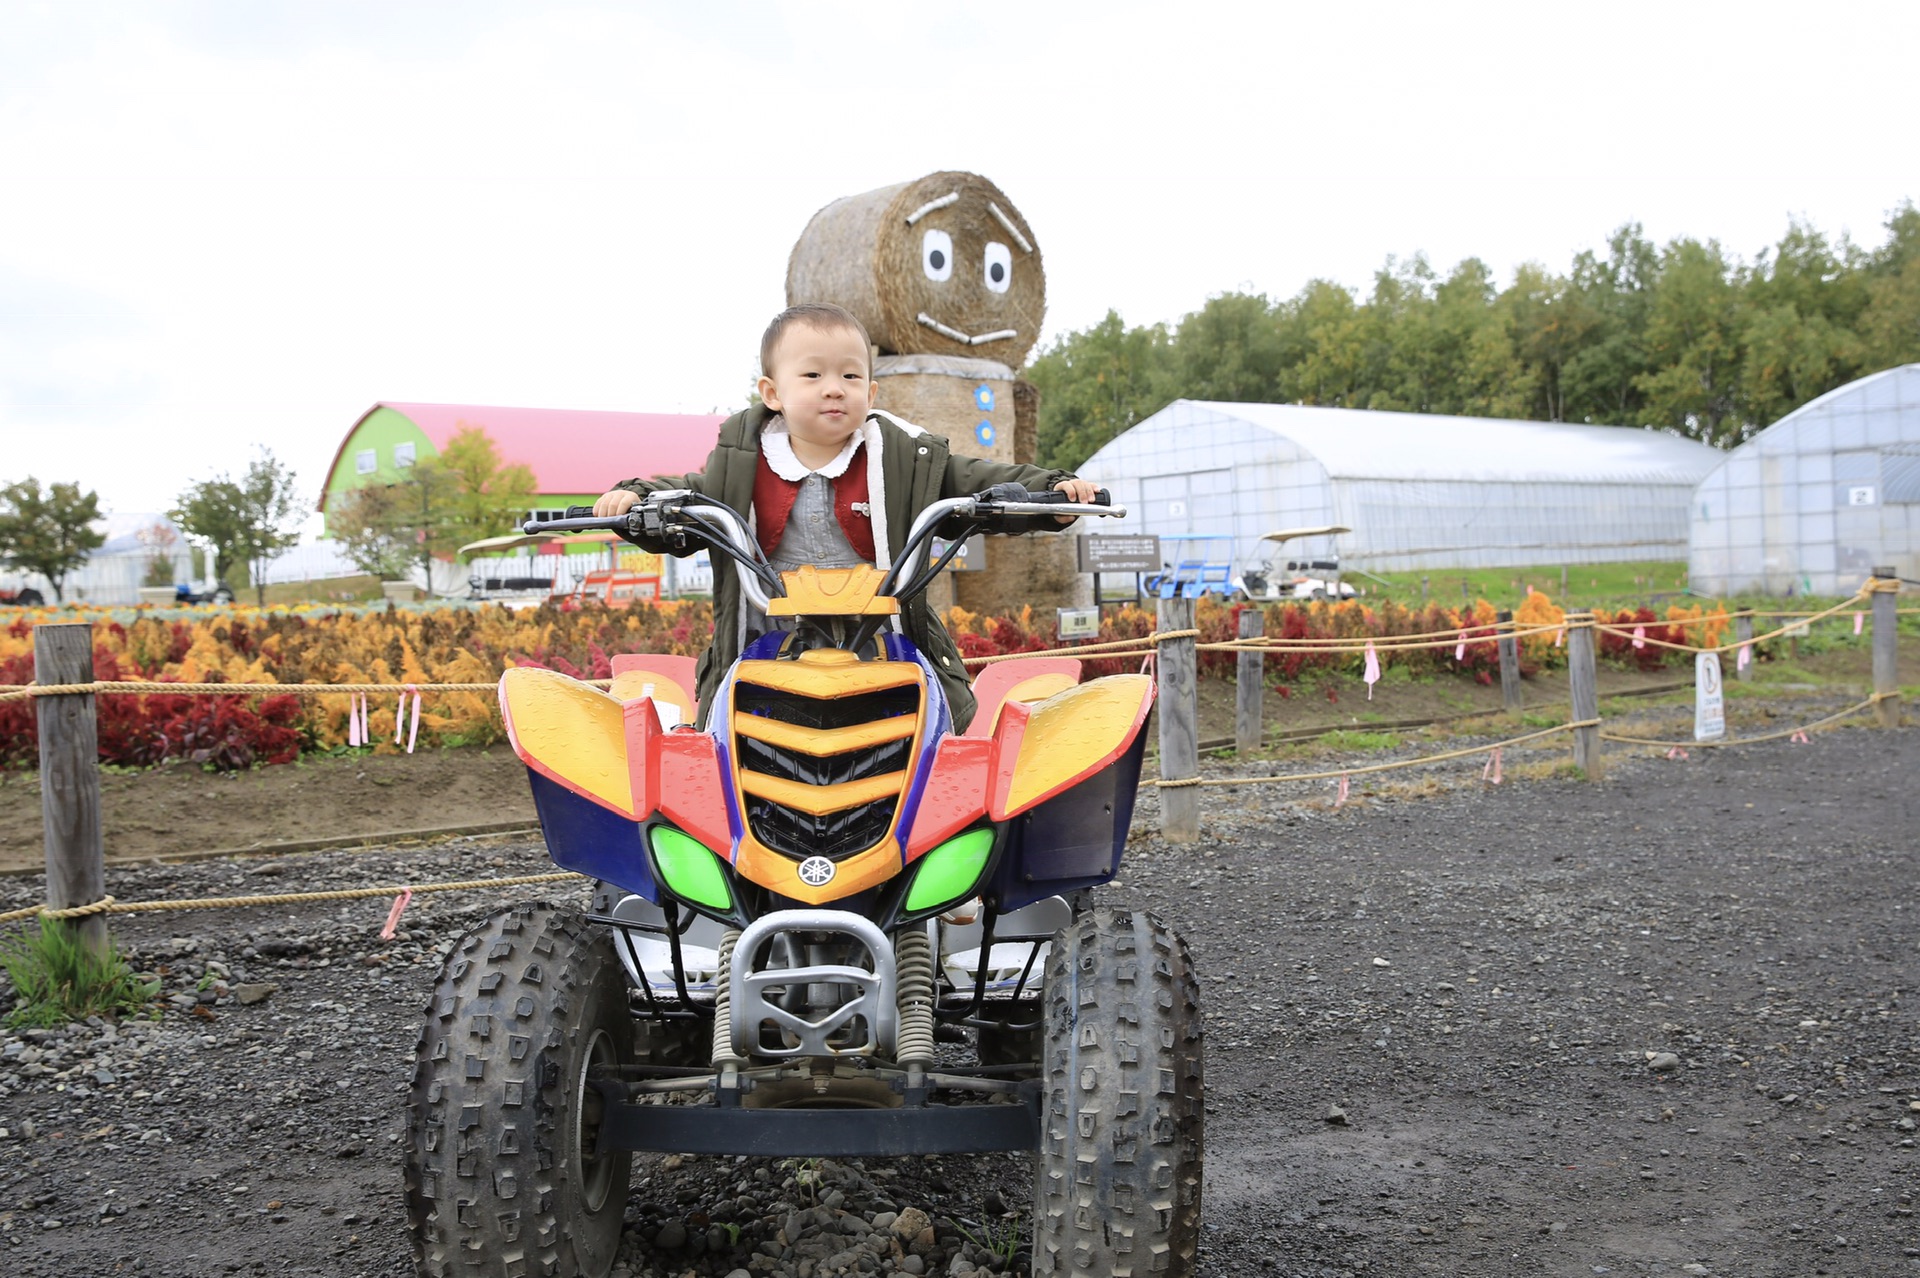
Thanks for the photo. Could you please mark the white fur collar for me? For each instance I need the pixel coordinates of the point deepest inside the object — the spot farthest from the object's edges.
(776, 441)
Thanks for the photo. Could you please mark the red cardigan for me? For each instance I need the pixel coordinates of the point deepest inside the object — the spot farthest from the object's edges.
(773, 499)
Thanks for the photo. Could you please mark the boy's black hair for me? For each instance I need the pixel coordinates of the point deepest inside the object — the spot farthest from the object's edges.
(815, 315)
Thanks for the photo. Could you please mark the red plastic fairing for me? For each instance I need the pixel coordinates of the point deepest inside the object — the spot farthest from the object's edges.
(693, 793)
(642, 724)
(955, 794)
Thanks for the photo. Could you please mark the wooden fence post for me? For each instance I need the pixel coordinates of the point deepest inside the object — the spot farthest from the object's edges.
(1581, 676)
(1179, 704)
(1886, 618)
(1743, 632)
(70, 775)
(1509, 662)
(1250, 682)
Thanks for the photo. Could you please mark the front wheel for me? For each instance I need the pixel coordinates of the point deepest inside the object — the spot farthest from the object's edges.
(1116, 1180)
(502, 1168)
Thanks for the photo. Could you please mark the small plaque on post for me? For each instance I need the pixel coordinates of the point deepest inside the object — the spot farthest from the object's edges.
(1079, 623)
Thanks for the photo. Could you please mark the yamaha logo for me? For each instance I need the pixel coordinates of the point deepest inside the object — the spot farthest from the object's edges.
(816, 871)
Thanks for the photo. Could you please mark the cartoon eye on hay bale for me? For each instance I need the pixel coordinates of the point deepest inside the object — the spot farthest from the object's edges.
(947, 277)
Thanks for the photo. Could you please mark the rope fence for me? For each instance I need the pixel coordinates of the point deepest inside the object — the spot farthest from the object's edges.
(76, 867)
(107, 905)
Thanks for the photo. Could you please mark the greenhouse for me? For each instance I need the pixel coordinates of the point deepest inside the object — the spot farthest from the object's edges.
(1416, 491)
(1816, 501)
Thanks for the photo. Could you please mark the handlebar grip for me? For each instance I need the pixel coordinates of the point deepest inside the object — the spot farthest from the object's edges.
(1054, 497)
(578, 512)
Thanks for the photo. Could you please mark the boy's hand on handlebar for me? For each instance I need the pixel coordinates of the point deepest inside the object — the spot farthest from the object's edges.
(617, 502)
(1081, 491)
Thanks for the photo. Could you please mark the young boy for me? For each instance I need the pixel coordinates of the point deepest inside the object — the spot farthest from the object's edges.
(826, 479)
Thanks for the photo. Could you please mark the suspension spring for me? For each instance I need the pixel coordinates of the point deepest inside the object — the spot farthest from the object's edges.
(913, 968)
(723, 1053)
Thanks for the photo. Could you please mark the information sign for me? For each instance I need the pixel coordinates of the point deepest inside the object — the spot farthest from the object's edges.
(1709, 699)
(1100, 553)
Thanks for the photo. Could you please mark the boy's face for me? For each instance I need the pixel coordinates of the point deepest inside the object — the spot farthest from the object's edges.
(821, 382)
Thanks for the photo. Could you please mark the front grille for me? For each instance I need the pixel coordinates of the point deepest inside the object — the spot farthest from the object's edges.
(843, 831)
(836, 835)
(836, 712)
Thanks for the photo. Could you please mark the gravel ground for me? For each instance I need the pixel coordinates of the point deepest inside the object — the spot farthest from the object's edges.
(1657, 1025)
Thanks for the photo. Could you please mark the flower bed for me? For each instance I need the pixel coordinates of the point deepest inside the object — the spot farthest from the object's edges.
(395, 647)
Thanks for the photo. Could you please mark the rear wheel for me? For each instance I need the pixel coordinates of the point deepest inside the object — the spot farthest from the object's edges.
(503, 1176)
(1116, 1180)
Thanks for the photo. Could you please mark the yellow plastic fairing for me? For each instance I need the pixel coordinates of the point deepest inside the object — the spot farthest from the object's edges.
(833, 592)
(1043, 749)
(571, 732)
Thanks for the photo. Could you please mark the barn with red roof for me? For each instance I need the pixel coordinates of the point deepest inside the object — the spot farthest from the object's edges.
(575, 455)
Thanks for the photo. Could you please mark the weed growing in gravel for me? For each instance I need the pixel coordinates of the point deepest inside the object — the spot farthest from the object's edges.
(1347, 740)
(1002, 1241)
(57, 979)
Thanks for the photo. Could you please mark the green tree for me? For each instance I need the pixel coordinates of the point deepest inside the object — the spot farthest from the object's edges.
(249, 520)
(467, 492)
(377, 527)
(48, 532)
(1889, 324)
(1693, 338)
(1096, 383)
(1229, 350)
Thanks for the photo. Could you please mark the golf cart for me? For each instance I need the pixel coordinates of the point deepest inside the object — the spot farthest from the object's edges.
(1279, 581)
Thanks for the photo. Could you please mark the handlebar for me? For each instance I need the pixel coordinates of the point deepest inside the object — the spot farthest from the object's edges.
(680, 518)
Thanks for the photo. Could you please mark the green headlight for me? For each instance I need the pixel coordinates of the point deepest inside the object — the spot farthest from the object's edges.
(690, 870)
(951, 871)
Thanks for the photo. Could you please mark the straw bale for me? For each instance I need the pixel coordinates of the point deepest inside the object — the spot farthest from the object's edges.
(1040, 569)
(873, 253)
(951, 407)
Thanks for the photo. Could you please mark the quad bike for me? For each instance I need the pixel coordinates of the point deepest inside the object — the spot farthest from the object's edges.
(824, 924)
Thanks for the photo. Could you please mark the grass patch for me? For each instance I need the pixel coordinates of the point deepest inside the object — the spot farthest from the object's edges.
(1346, 739)
(1587, 585)
(57, 979)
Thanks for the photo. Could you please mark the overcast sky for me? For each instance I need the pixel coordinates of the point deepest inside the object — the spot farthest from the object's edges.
(227, 224)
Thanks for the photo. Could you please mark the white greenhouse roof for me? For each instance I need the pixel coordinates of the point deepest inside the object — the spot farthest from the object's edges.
(1369, 444)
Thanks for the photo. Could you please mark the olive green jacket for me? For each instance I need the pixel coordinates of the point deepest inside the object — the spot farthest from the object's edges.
(916, 470)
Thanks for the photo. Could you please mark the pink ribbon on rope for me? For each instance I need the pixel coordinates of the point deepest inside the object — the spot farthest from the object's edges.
(1560, 637)
(400, 714)
(1859, 620)
(1799, 738)
(1372, 674)
(1460, 649)
(1676, 753)
(1745, 657)
(1639, 636)
(1340, 799)
(1491, 773)
(393, 915)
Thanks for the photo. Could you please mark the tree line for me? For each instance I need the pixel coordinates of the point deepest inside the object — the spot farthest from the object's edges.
(1682, 337)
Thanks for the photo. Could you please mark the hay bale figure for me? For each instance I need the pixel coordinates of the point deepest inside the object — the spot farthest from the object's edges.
(947, 277)
(942, 265)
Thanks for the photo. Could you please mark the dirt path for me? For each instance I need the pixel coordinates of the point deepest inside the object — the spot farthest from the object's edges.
(1659, 1025)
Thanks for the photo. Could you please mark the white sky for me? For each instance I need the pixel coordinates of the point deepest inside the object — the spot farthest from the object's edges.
(237, 223)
